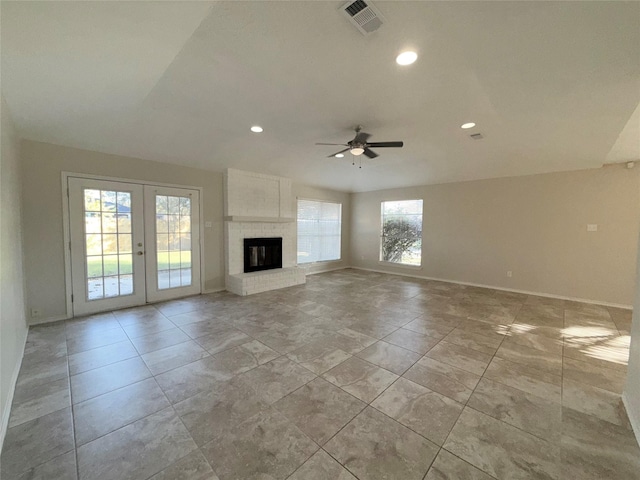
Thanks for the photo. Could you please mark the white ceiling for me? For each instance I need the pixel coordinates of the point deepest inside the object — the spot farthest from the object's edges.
(552, 85)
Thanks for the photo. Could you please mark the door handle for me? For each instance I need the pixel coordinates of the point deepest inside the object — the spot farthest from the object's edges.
(140, 253)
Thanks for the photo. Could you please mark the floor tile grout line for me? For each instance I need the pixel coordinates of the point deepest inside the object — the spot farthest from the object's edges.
(378, 340)
(466, 404)
(171, 405)
(468, 463)
(73, 417)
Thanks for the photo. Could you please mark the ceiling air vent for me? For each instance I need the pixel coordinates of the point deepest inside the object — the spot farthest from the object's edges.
(366, 18)
(476, 136)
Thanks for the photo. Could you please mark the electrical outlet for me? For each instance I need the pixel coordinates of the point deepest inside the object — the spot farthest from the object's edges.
(208, 224)
(509, 273)
(35, 312)
(592, 227)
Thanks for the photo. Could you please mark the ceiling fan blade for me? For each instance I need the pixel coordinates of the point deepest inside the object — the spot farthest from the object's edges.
(341, 151)
(341, 144)
(370, 153)
(361, 137)
(385, 144)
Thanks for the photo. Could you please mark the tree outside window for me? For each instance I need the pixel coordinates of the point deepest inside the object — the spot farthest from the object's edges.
(401, 236)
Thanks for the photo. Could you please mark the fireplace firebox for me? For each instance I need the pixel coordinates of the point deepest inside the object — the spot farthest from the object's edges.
(262, 254)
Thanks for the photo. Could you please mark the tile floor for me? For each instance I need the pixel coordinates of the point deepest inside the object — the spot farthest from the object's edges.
(355, 375)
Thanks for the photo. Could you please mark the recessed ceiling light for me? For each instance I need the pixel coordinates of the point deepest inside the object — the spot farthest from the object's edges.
(257, 129)
(406, 58)
(468, 125)
(339, 155)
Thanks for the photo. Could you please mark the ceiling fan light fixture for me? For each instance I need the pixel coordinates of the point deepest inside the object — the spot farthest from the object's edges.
(357, 151)
(406, 58)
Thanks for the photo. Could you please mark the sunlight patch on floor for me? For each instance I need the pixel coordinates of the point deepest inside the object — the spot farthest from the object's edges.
(599, 342)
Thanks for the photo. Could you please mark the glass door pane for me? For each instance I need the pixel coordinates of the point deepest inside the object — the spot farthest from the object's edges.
(173, 241)
(109, 259)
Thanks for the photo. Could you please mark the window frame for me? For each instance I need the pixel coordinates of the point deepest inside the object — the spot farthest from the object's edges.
(298, 200)
(381, 261)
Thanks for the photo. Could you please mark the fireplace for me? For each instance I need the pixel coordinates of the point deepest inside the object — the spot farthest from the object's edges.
(262, 254)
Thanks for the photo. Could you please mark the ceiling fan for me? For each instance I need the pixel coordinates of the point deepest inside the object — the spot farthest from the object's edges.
(359, 145)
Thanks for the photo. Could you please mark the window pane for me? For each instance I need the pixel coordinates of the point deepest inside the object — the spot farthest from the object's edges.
(92, 222)
(185, 206)
(124, 243)
(174, 260)
(110, 243)
(185, 224)
(174, 278)
(111, 286)
(109, 223)
(126, 264)
(161, 204)
(174, 243)
(174, 205)
(162, 224)
(185, 274)
(94, 289)
(110, 263)
(94, 244)
(94, 267)
(108, 201)
(185, 241)
(92, 200)
(163, 279)
(174, 223)
(185, 259)
(126, 284)
(163, 261)
(124, 223)
(401, 236)
(319, 231)
(124, 202)
(162, 242)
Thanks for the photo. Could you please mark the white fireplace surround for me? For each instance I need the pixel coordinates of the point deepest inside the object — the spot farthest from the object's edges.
(258, 205)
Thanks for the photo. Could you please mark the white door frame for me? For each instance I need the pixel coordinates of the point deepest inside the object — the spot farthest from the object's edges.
(66, 231)
(79, 274)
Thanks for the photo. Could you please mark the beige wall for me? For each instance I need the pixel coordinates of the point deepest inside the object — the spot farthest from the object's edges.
(315, 193)
(43, 165)
(631, 395)
(13, 326)
(535, 226)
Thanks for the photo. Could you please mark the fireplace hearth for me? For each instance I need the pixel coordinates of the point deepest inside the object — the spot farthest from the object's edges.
(262, 254)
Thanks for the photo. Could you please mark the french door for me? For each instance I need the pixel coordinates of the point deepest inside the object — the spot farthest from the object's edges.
(131, 244)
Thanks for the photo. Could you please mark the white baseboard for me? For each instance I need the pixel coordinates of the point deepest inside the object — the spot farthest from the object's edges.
(633, 419)
(40, 321)
(6, 411)
(328, 269)
(494, 287)
(213, 290)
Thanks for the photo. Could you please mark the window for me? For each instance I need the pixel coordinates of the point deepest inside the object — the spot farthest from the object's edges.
(319, 227)
(401, 237)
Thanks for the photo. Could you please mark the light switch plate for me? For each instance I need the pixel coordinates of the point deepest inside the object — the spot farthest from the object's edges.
(592, 227)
